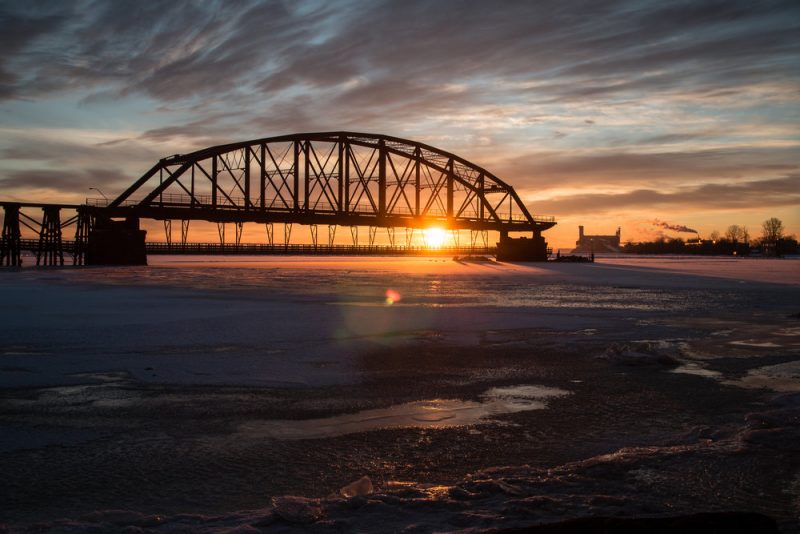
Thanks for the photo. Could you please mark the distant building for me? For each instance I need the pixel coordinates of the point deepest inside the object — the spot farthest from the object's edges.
(597, 243)
(697, 242)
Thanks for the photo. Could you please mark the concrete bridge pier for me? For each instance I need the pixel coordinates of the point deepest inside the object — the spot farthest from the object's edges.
(116, 243)
(521, 248)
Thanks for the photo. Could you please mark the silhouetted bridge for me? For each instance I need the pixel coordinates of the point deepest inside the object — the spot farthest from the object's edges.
(332, 178)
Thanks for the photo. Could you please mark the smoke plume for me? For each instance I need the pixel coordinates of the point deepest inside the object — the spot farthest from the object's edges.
(674, 227)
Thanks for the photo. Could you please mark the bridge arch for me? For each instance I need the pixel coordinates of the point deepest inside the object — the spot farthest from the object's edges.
(343, 178)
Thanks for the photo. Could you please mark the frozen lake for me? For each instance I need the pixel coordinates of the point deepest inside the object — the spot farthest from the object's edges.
(472, 394)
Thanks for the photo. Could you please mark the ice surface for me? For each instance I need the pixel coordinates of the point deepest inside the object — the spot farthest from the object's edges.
(215, 385)
(299, 321)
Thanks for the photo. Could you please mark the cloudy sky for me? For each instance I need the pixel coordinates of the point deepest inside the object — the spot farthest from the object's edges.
(604, 114)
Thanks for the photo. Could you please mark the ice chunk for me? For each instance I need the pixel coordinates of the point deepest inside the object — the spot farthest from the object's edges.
(297, 509)
(362, 486)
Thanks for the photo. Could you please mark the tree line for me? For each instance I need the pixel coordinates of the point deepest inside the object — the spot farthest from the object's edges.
(736, 241)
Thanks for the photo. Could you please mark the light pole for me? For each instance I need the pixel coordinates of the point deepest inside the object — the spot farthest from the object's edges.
(101, 193)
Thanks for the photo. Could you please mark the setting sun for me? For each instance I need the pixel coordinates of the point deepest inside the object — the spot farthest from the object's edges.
(434, 237)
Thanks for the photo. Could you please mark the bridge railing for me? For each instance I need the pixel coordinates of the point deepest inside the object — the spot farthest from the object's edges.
(256, 249)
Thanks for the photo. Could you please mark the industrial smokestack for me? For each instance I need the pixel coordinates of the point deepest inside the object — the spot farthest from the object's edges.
(674, 227)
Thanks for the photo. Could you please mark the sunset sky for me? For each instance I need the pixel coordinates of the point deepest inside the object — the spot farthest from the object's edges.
(603, 114)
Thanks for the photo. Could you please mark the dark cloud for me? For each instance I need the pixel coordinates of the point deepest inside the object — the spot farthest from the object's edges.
(760, 194)
(564, 168)
(67, 153)
(402, 51)
(64, 181)
(18, 29)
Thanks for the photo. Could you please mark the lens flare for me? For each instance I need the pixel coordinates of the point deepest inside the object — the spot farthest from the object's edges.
(392, 296)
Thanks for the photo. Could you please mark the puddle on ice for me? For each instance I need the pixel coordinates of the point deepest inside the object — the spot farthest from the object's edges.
(789, 331)
(783, 377)
(435, 413)
(754, 343)
(696, 369)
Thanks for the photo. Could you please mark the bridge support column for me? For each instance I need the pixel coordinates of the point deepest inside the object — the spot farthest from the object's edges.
(50, 248)
(331, 234)
(390, 233)
(409, 237)
(270, 234)
(287, 234)
(10, 253)
(84, 227)
(168, 232)
(221, 232)
(239, 230)
(354, 235)
(184, 232)
(372, 231)
(314, 232)
(116, 243)
(474, 235)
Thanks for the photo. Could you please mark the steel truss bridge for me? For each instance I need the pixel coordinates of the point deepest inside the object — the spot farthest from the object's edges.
(329, 178)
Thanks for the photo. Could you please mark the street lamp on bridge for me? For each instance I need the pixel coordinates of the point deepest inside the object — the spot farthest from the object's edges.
(101, 193)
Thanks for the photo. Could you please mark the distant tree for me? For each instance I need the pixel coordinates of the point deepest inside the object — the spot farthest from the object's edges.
(714, 236)
(745, 235)
(772, 230)
(735, 233)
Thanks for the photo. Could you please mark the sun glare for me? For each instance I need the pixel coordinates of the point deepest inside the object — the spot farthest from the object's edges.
(435, 237)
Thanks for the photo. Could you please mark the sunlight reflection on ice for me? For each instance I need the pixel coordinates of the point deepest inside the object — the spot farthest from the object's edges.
(435, 413)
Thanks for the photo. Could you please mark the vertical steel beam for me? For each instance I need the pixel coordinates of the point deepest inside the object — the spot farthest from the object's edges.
(331, 234)
(381, 178)
(340, 164)
(481, 196)
(239, 229)
(192, 202)
(221, 232)
(287, 234)
(214, 181)
(296, 192)
(168, 232)
(263, 184)
(450, 181)
(417, 157)
(307, 179)
(247, 177)
(270, 234)
(372, 231)
(409, 236)
(347, 156)
(184, 232)
(314, 233)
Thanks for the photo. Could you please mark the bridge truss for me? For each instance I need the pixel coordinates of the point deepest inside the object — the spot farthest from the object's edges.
(328, 178)
(342, 178)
